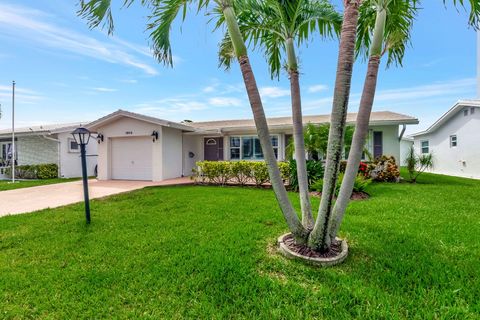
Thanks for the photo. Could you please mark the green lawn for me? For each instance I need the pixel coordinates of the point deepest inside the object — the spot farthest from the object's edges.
(6, 185)
(209, 253)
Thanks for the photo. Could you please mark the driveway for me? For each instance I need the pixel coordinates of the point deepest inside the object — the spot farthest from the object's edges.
(61, 194)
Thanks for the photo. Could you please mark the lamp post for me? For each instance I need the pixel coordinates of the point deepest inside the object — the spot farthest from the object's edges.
(82, 136)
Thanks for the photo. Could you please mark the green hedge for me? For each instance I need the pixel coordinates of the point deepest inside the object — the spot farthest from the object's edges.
(34, 171)
(236, 172)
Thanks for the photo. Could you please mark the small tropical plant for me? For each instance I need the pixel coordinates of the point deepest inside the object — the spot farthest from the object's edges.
(417, 164)
(314, 173)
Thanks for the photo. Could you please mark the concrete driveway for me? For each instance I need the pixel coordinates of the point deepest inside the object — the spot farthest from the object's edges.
(61, 194)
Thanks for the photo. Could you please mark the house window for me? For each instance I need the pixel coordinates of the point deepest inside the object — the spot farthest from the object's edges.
(249, 148)
(73, 146)
(425, 147)
(453, 141)
(465, 112)
(472, 110)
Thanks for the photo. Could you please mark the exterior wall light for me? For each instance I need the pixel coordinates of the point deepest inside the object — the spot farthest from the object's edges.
(100, 138)
(154, 135)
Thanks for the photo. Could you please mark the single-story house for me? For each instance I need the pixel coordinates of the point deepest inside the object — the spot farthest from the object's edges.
(454, 140)
(139, 147)
(47, 144)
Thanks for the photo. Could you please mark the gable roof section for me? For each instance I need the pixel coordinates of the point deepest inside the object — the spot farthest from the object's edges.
(122, 113)
(377, 118)
(448, 115)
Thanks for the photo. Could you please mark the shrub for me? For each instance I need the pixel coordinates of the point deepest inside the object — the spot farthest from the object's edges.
(47, 171)
(384, 169)
(361, 183)
(35, 171)
(259, 173)
(241, 172)
(362, 168)
(238, 172)
(317, 185)
(314, 173)
(417, 164)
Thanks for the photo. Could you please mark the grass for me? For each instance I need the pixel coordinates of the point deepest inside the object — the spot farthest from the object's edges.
(6, 185)
(209, 253)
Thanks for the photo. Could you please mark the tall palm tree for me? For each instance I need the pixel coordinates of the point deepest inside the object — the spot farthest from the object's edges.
(164, 13)
(277, 26)
(384, 28)
(318, 238)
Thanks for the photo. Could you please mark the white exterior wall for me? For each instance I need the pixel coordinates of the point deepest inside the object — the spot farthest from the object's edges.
(192, 144)
(70, 162)
(171, 153)
(405, 146)
(35, 149)
(127, 127)
(391, 144)
(463, 160)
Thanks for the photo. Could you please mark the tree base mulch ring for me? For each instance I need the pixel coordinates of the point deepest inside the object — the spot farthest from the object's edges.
(355, 195)
(337, 254)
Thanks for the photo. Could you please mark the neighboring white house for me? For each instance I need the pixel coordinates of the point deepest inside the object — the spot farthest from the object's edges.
(139, 147)
(454, 140)
(405, 144)
(47, 144)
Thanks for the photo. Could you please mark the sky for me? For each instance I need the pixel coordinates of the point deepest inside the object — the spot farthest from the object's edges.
(67, 73)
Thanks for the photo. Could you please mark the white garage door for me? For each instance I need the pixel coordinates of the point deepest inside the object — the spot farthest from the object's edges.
(131, 158)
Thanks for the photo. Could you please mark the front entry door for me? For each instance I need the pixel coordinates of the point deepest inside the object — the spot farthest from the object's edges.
(213, 149)
(377, 144)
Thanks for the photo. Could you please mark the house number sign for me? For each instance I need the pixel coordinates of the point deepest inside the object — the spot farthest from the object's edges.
(128, 132)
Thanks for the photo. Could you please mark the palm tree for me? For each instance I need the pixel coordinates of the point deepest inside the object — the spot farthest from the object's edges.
(391, 21)
(316, 140)
(318, 238)
(164, 13)
(278, 26)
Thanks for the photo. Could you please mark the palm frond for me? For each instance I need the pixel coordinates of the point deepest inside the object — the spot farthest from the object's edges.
(474, 15)
(401, 15)
(163, 15)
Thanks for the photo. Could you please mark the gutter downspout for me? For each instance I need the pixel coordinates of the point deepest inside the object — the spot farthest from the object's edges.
(403, 131)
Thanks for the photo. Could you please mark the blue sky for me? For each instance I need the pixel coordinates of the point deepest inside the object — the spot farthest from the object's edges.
(68, 73)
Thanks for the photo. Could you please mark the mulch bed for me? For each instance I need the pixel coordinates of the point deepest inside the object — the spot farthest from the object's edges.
(355, 195)
(303, 250)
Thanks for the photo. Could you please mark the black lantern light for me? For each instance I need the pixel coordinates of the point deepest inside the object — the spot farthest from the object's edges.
(154, 136)
(100, 138)
(82, 137)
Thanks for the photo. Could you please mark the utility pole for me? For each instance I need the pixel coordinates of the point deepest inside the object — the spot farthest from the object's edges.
(13, 131)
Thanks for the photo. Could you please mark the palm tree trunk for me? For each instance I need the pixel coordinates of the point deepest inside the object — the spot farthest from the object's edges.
(361, 128)
(319, 238)
(293, 222)
(298, 137)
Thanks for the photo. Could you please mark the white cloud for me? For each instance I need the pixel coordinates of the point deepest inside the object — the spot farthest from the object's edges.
(22, 95)
(225, 102)
(273, 92)
(102, 89)
(317, 88)
(131, 81)
(38, 27)
(209, 89)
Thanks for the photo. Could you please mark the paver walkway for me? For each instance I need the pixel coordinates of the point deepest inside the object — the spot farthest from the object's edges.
(61, 194)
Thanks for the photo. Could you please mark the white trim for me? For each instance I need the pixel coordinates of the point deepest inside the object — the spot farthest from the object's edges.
(241, 136)
(70, 150)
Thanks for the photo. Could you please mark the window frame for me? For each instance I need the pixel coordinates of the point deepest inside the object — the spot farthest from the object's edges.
(241, 137)
(422, 147)
(472, 110)
(465, 112)
(70, 150)
(452, 142)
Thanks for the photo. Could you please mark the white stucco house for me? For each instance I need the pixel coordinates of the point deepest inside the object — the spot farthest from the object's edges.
(405, 144)
(138, 147)
(454, 140)
(47, 144)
